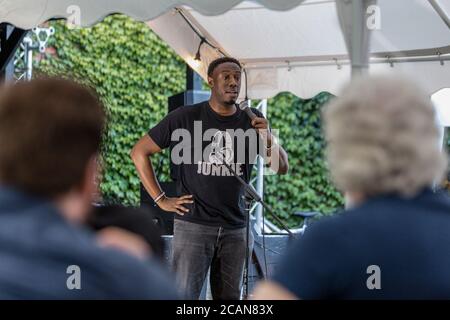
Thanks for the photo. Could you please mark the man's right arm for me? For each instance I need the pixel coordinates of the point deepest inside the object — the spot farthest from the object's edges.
(141, 155)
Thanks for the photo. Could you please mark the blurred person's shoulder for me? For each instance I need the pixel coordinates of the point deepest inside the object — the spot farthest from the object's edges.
(39, 245)
(105, 273)
(113, 274)
(341, 229)
(380, 215)
(131, 278)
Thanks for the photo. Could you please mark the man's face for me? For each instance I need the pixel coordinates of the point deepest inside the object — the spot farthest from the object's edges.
(225, 82)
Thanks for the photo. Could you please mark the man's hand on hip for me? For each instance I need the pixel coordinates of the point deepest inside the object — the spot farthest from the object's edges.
(175, 204)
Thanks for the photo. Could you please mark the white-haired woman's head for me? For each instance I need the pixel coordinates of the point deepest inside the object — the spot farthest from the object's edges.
(382, 137)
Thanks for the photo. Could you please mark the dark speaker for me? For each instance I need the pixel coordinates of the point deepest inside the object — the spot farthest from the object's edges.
(185, 98)
(163, 218)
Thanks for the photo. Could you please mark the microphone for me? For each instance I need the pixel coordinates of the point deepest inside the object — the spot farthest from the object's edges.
(244, 107)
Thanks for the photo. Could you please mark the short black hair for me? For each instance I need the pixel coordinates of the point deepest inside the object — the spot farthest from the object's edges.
(213, 65)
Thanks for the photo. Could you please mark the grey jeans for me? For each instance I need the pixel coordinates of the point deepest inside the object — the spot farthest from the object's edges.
(196, 248)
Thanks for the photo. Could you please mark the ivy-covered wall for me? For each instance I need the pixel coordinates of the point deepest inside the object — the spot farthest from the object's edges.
(134, 73)
(307, 187)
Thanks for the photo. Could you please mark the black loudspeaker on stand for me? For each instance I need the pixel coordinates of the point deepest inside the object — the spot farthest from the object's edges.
(163, 219)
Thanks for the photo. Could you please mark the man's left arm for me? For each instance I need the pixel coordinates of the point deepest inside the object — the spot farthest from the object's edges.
(274, 154)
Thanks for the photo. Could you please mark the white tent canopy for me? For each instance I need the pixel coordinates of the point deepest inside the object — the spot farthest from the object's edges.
(301, 49)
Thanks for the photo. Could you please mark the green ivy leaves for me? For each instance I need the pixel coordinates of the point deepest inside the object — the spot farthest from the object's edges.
(134, 73)
(307, 186)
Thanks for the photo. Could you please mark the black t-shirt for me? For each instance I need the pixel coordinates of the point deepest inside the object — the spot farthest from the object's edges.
(387, 248)
(201, 139)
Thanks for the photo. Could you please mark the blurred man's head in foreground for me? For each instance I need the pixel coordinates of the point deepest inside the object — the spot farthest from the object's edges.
(50, 134)
(383, 138)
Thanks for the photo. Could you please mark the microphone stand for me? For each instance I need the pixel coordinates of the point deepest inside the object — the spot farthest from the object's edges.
(244, 106)
(251, 193)
(248, 204)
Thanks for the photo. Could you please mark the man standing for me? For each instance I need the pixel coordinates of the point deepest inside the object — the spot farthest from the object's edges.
(209, 228)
